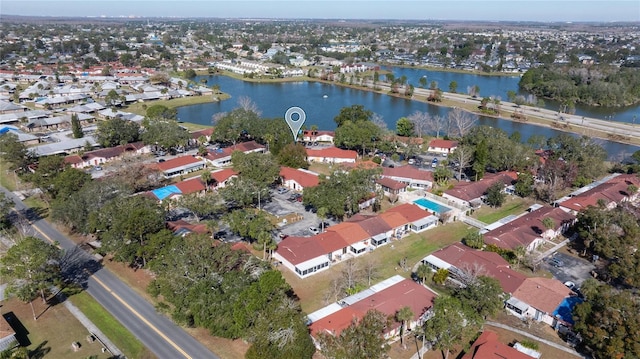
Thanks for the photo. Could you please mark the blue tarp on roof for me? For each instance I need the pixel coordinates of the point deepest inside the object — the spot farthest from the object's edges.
(165, 192)
(566, 307)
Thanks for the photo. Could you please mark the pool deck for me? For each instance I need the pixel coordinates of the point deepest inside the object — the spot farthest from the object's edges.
(411, 196)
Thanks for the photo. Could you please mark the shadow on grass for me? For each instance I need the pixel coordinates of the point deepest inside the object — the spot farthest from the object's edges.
(40, 351)
(22, 334)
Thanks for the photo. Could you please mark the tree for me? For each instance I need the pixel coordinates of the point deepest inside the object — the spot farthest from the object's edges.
(161, 112)
(165, 133)
(461, 121)
(403, 315)
(117, 131)
(112, 98)
(31, 266)
(76, 128)
(423, 271)
(238, 124)
(357, 135)
(421, 122)
(496, 195)
(293, 155)
(453, 87)
(362, 339)
(442, 175)
(483, 295)
(15, 152)
(473, 239)
(257, 167)
(404, 127)
(462, 155)
(451, 324)
(6, 204)
(608, 322)
(354, 114)
(253, 226)
(440, 277)
(190, 74)
(202, 206)
(481, 157)
(524, 184)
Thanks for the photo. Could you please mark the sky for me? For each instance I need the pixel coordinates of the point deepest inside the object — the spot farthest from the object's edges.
(495, 10)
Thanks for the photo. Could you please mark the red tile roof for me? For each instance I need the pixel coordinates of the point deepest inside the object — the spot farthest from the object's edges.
(394, 219)
(304, 179)
(204, 132)
(73, 159)
(177, 162)
(388, 301)
(525, 229)
(297, 250)
(614, 190)
(468, 191)
(487, 346)
(227, 151)
(391, 183)
(439, 143)
(195, 228)
(332, 152)
(223, 175)
(330, 241)
(190, 186)
(374, 226)
(543, 294)
(350, 232)
(410, 211)
(409, 172)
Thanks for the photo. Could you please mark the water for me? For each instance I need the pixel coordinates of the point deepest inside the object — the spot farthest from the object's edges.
(432, 206)
(273, 99)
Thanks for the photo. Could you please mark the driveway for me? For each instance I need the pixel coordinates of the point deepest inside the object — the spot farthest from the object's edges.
(574, 269)
(281, 206)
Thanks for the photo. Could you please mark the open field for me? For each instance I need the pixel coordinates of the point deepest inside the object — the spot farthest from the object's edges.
(414, 248)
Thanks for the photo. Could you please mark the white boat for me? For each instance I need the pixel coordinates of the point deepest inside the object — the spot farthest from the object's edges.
(325, 96)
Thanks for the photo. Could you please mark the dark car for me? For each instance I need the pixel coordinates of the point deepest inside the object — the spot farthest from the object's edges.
(220, 235)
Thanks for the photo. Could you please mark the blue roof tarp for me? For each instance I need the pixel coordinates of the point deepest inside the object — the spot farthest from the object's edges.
(164, 192)
(566, 307)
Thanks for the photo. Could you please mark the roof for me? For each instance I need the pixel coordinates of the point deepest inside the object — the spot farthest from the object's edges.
(391, 183)
(543, 294)
(330, 241)
(525, 229)
(394, 219)
(186, 227)
(178, 162)
(613, 190)
(408, 172)
(485, 263)
(388, 300)
(297, 250)
(227, 151)
(439, 143)
(351, 232)
(223, 175)
(374, 226)
(206, 132)
(332, 152)
(111, 152)
(303, 178)
(410, 212)
(190, 186)
(487, 346)
(468, 191)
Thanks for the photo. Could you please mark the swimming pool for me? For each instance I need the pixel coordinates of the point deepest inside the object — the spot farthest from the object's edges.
(432, 206)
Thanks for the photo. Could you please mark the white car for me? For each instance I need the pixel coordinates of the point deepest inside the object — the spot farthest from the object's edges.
(314, 230)
(570, 284)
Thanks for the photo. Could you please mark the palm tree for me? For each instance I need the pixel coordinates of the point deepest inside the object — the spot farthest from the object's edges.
(423, 272)
(403, 315)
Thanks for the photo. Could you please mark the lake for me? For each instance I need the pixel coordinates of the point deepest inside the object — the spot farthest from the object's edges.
(322, 102)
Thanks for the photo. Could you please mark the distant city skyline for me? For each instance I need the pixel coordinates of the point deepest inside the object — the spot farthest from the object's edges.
(479, 10)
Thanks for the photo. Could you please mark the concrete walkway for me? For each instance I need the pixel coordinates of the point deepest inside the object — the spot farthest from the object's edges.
(547, 253)
(544, 341)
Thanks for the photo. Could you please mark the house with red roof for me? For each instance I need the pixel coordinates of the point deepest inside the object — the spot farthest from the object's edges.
(204, 133)
(528, 230)
(487, 346)
(303, 256)
(221, 178)
(386, 297)
(354, 235)
(544, 300)
(183, 228)
(221, 157)
(409, 175)
(298, 179)
(461, 261)
(418, 219)
(442, 146)
(470, 194)
(180, 166)
(104, 155)
(379, 231)
(318, 136)
(331, 155)
(612, 190)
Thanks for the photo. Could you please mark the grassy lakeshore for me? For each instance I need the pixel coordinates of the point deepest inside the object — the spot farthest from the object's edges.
(457, 71)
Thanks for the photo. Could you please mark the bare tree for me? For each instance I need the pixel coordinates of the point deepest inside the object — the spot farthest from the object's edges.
(334, 291)
(463, 155)
(351, 273)
(437, 124)
(370, 270)
(462, 121)
(247, 104)
(379, 121)
(421, 122)
(470, 272)
(217, 117)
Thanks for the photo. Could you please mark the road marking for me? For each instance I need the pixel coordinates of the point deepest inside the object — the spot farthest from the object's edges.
(34, 225)
(174, 345)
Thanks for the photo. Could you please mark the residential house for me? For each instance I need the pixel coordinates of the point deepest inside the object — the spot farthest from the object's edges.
(71, 145)
(528, 230)
(104, 155)
(331, 155)
(410, 175)
(418, 219)
(303, 256)
(387, 297)
(221, 178)
(356, 237)
(204, 133)
(378, 230)
(461, 261)
(391, 187)
(613, 190)
(298, 179)
(487, 346)
(8, 338)
(318, 136)
(177, 190)
(10, 107)
(183, 228)
(222, 156)
(25, 138)
(180, 166)
(442, 146)
(471, 194)
(544, 300)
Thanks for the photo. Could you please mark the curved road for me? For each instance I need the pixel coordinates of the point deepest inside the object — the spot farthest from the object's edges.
(164, 338)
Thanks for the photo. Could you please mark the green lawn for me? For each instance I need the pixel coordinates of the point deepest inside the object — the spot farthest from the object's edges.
(140, 108)
(513, 205)
(118, 334)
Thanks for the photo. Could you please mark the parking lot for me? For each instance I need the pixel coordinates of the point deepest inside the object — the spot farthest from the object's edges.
(568, 268)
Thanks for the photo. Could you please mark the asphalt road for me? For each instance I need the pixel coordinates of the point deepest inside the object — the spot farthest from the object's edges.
(155, 331)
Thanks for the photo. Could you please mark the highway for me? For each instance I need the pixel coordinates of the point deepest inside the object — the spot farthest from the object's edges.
(164, 338)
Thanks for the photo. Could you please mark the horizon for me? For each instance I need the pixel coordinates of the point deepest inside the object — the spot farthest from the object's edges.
(566, 11)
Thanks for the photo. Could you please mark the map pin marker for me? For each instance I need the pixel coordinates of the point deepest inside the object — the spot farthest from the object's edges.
(295, 125)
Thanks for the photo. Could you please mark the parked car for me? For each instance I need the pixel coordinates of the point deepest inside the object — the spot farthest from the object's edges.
(220, 235)
(570, 284)
(282, 190)
(434, 163)
(556, 262)
(97, 168)
(314, 230)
